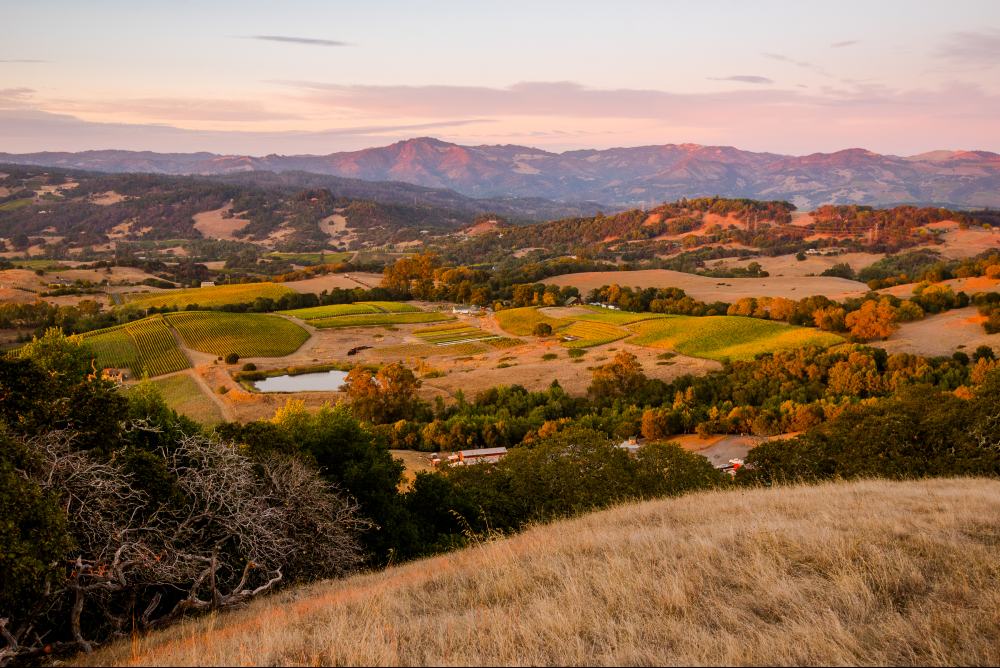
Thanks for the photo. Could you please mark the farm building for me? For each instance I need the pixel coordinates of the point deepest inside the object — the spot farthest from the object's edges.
(630, 445)
(467, 457)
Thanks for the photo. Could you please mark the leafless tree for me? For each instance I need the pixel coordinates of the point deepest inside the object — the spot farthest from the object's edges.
(233, 532)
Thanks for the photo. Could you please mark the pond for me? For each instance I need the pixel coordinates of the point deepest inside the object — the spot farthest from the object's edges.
(325, 381)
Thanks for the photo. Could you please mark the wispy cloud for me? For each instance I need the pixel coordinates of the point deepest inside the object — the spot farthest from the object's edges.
(15, 98)
(847, 42)
(806, 65)
(744, 78)
(167, 109)
(308, 41)
(972, 47)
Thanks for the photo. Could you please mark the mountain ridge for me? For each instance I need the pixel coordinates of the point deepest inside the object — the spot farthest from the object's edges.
(620, 177)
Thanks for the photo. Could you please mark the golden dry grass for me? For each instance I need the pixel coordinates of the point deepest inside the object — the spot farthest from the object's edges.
(715, 289)
(869, 572)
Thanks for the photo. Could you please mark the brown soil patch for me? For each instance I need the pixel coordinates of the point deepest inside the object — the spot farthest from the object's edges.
(215, 225)
(802, 219)
(107, 198)
(481, 228)
(716, 289)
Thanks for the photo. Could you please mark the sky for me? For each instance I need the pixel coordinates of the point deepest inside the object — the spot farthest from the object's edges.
(311, 76)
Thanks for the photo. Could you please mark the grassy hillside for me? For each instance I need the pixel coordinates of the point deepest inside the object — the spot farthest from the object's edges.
(727, 337)
(868, 572)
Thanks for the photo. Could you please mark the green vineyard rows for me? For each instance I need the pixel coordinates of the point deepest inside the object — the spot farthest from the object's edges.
(146, 347)
(246, 334)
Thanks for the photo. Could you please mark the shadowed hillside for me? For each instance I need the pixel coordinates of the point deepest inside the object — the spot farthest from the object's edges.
(868, 572)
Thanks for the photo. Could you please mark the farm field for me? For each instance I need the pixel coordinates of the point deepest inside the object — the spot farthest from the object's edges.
(597, 314)
(721, 337)
(246, 334)
(146, 347)
(330, 257)
(375, 319)
(328, 282)
(185, 395)
(716, 289)
(336, 310)
(522, 321)
(452, 333)
(218, 295)
(329, 311)
(586, 334)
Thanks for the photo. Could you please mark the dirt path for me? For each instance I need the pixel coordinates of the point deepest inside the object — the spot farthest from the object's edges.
(196, 358)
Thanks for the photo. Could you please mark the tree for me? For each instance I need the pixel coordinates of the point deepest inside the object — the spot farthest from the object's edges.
(667, 469)
(830, 318)
(542, 329)
(65, 358)
(386, 396)
(348, 456)
(874, 320)
(622, 377)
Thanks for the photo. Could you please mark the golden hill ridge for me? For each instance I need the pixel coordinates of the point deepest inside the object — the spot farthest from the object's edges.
(869, 572)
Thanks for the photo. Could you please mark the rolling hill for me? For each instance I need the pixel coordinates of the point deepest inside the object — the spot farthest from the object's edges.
(871, 572)
(617, 177)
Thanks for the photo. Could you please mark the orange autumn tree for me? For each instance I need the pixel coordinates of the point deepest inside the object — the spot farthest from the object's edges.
(874, 320)
(386, 396)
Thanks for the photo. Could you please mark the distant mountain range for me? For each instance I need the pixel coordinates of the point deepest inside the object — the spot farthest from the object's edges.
(616, 178)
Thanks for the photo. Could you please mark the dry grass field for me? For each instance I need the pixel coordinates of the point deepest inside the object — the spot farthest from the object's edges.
(959, 243)
(214, 225)
(970, 286)
(813, 265)
(716, 289)
(942, 334)
(329, 281)
(862, 573)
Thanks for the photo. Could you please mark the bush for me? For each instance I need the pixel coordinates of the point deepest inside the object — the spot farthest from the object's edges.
(549, 356)
(249, 366)
(542, 329)
(576, 352)
(232, 358)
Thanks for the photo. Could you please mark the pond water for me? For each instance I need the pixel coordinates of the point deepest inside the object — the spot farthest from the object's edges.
(324, 381)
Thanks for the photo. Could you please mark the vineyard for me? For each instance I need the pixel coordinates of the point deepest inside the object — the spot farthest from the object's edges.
(213, 296)
(446, 335)
(522, 321)
(586, 334)
(330, 311)
(146, 347)
(611, 317)
(375, 319)
(246, 334)
(337, 310)
(726, 337)
(393, 307)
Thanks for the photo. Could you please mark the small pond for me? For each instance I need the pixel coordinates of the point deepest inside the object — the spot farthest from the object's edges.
(325, 381)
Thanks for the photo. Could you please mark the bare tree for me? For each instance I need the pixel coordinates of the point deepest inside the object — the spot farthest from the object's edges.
(234, 530)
